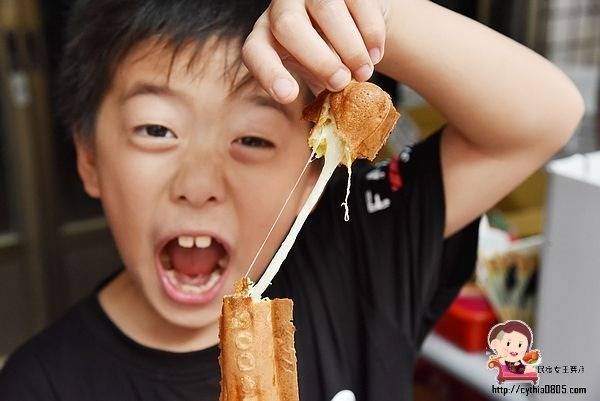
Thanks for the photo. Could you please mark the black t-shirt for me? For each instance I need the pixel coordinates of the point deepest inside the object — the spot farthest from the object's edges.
(366, 292)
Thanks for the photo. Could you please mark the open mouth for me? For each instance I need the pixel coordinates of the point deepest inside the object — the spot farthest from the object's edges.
(514, 353)
(191, 268)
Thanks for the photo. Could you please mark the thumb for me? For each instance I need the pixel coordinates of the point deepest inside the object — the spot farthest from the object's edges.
(344, 395)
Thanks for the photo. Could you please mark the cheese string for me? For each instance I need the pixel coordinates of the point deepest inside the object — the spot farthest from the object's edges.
(345, 203)
(310, 159)
(333, 157)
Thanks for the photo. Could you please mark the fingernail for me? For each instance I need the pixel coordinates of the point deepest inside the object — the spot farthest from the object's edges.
(364, 72)
(339, 79)
(375, 54)
(282, 88)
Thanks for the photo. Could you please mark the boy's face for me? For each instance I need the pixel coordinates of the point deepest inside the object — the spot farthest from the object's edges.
(191, 176)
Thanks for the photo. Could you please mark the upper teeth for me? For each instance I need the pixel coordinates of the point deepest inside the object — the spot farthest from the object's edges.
(203, 242)
(186, 241)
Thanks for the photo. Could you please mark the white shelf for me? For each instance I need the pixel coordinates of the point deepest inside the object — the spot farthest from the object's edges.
(470, 368)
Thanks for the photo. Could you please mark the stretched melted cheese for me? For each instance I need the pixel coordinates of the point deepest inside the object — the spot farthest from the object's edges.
(324, 142)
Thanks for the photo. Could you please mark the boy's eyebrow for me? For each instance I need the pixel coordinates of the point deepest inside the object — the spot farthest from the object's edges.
(268, 101)
(146, 88)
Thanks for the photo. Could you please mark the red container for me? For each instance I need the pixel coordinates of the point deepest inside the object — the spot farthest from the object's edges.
(467, 322)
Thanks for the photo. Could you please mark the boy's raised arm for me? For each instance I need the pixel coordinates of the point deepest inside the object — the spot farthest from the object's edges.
(508, 109)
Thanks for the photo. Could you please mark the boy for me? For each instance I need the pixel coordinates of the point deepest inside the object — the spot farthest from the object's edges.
(192, 161)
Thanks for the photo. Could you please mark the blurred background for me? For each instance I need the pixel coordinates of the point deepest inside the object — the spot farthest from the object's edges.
(539, 254)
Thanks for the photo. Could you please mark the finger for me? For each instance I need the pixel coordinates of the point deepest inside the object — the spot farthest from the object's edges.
(263, 61)
(314, 84)
(340, 29)
(291, 27)
(344, 395)
(371, 23)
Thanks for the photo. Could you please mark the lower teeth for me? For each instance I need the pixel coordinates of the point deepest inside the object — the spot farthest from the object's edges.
(193, 289)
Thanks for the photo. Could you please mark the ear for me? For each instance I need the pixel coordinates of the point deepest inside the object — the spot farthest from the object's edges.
(86, 164)
(495, 344)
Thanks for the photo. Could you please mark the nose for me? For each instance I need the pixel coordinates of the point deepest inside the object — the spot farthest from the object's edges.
(199, 180)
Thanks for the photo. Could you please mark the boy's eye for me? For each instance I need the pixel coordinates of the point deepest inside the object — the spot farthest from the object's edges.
(254, 142)
(156, 131)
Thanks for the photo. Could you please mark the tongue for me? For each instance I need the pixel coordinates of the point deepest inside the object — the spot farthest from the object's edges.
(194, 261)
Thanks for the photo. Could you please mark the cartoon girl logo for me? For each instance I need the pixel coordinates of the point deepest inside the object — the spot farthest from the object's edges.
(510, 346)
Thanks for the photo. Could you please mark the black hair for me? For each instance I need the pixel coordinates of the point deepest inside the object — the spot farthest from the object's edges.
(101, 33)
(508, 327)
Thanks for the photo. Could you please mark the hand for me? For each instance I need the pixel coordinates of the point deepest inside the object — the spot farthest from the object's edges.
(344, 395)
(325, 42)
